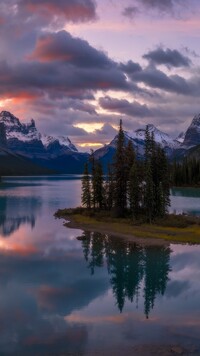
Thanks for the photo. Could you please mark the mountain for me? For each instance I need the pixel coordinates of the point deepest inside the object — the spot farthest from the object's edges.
(181, 137)
(25, 138)
(192, 136)
(56, 153)
(137, 137)
(13, 164)
(20, 141)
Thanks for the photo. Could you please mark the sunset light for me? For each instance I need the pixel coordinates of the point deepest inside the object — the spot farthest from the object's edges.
(99, 177)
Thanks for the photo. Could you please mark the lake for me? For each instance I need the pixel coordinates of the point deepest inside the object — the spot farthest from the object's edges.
(69, 292)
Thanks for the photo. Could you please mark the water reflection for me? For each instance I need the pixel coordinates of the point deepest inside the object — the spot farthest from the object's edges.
(37, 291)
(16, 211)
(62, 296)
(134, 270)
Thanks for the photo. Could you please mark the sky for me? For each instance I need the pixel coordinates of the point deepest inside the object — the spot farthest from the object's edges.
(79, 66)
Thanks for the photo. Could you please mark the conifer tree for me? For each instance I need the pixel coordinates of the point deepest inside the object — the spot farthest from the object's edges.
(86, 188)
(93, 190)
(164, 182)
(148, 177)
(134, 190)
(109, 189)
(129, 156)
(120, 176)
(98, 184)
(149, 193)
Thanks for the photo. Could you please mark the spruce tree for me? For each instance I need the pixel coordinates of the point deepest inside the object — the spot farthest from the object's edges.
(120, 176)
(129, 156)
(93, 194)
(109, 189)
(86, 189)
(98, 184)
(149, 193)
(162, 183)
(148, 177)
(134, 191)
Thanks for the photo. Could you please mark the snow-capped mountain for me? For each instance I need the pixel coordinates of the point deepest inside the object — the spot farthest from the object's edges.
(56, 153)
(137, 138)
(61, 140)
(181, 137)
(163, 139)
(192, 136)
(15, 130)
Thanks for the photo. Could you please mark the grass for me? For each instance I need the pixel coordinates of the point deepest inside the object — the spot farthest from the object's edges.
(172, 228)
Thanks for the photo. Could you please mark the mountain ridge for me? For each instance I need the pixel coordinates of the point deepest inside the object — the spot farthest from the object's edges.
(59, 154)
(56, 153)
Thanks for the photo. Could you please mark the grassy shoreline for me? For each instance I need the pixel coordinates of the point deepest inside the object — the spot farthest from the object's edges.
(171, 229)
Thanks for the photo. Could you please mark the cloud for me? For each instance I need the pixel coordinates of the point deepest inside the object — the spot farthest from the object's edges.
(106, 130)
(50, 10)
(130, 11)
(163, 5)
(71, 10)
(155, 78)
(22, 21)
(62, 47)
(130, 67)
(168, 57)
(174, 8)
(123, 106)
(67, 79)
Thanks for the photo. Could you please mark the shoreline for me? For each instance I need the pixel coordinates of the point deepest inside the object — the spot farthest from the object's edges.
(144, 234)
(73, 224)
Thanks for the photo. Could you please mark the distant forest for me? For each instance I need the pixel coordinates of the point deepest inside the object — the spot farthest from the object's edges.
(186, 172)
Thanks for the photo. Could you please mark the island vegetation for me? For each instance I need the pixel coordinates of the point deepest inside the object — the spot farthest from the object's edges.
(132, 200)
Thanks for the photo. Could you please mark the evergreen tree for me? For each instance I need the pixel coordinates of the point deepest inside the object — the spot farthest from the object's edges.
(164, 183)
(134, 190)
(120, 177)
(86, 189)
(93, 195)
(149, 193)
(129, 156)
(109, 189)
(148, 177)
(147, 145)
(98, 184)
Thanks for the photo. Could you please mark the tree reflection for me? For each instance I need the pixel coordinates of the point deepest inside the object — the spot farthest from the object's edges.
(132, 268)
(17, 211)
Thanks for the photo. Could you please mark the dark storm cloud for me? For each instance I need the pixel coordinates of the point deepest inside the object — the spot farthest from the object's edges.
(62, 47)
(168, 57)
(124, 107)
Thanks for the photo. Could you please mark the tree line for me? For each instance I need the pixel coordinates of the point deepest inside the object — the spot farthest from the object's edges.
(131, 186)
(186, 172)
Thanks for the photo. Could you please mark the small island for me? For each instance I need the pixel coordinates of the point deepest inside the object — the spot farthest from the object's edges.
(132, 200)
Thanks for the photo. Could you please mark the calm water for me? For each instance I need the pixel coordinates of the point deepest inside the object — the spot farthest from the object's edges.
(64, 291)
